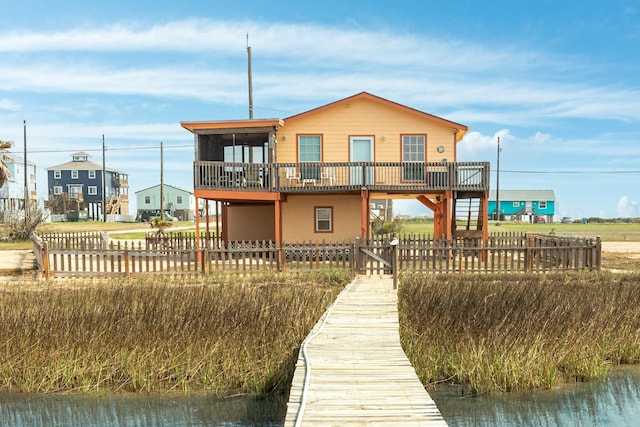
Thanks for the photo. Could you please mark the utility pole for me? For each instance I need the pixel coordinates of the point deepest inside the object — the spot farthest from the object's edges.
(161, 183)
(104, 184)
(26, 166)
(250, 79)
(498, 184)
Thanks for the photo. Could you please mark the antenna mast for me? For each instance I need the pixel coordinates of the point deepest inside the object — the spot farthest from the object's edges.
(250, 82)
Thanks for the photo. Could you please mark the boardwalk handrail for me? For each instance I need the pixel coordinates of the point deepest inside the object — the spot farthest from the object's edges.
(307, 363)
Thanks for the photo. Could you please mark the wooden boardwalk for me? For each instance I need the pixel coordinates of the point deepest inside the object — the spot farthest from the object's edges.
(357, 371)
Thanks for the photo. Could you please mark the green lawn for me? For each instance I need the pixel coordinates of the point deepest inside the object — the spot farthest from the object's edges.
(608, 232)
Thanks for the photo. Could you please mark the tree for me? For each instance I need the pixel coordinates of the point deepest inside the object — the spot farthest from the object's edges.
(4, 171)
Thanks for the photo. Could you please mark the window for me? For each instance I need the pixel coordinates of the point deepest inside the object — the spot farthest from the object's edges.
(92, 190)
(74, 174)
(413, 152)
(309, 150)
(179, 200)
(542, 205)
(57, 174)
(92, 174)
(516, 204)
(147, 200)
(57, 190)
(324, 220)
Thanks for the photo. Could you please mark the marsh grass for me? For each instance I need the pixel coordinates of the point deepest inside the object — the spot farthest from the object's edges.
(217, 335)
(512, 332)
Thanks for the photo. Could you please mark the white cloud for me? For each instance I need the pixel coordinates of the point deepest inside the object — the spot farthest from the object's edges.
(627, 208)
(9, 105)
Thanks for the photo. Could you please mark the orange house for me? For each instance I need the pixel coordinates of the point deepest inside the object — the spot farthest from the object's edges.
(311, 176)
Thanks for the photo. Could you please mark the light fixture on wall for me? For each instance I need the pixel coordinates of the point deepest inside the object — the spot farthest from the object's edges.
(440, 149)
(384, 137)
(284, 137)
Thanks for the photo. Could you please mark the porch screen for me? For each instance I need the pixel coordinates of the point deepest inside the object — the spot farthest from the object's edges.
(309, 150)
(413, 157)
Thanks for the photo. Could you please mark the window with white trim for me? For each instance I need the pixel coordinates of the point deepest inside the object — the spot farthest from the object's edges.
(92, 190)
(92, 174)
(516, 204)
(74, 174)
(57, 174)
(413, 152)
(147, 200)
(57, 190)
(310, 150)
(323, 220)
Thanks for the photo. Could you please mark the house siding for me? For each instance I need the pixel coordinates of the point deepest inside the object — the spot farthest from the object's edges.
(364, 117)
(298, 217)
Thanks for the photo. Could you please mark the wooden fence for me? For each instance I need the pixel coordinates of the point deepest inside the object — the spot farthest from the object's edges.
(515, 252)
(125, 259)
(501, 253)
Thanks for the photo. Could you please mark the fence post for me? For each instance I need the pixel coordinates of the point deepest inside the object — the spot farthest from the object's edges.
(45, 260)
(205, 261)
(394, 261)
(127, 271)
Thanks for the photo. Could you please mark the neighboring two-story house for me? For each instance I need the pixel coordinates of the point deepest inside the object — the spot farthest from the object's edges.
(78, 186)
(524, 205)
(177, 202)
(12, 195)
(312, 176)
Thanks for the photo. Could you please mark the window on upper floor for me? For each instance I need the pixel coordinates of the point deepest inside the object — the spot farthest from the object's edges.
(413, 149)
(516, 204)
(323, 220)
(92, 190)
(179, 200)
(74, 174)
(147, 200)
(92, 174)
(310, 150)
(542, 204)
(57, 190)
(57, 174)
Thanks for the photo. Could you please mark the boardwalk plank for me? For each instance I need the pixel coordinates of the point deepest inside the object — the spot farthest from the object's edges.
(359, 372)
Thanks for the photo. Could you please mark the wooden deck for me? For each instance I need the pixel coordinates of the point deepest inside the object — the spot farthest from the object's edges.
(357, 371)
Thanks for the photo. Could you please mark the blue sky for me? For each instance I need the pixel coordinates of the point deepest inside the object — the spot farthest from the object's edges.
(557, 81)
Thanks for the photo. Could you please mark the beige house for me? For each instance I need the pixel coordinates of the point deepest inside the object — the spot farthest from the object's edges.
(312, 176)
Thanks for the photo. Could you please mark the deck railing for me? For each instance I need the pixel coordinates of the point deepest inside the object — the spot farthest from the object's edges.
(323, 177)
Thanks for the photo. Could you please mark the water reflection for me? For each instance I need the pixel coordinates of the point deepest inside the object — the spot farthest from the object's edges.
(614, 401)
(81, 410)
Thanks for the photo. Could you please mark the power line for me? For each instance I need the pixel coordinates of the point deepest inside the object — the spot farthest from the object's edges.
(107, 149)
(569, 172)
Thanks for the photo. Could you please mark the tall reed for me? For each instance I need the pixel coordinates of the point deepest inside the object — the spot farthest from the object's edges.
(519, 331)
(221, 335)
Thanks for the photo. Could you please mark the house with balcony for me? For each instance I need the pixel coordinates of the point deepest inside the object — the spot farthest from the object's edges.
(523, 205)
(78, 186)
(12, 193)
(312, 176)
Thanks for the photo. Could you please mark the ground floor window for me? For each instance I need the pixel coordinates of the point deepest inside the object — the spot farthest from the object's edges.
(324, 219)
(57, 190)
(92, 190)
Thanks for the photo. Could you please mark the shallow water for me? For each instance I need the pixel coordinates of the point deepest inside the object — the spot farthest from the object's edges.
(22, 410)
(614, 401)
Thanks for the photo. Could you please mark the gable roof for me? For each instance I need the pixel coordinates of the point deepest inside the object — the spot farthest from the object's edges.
(166, 185)
(523, 195)
(462, 129)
